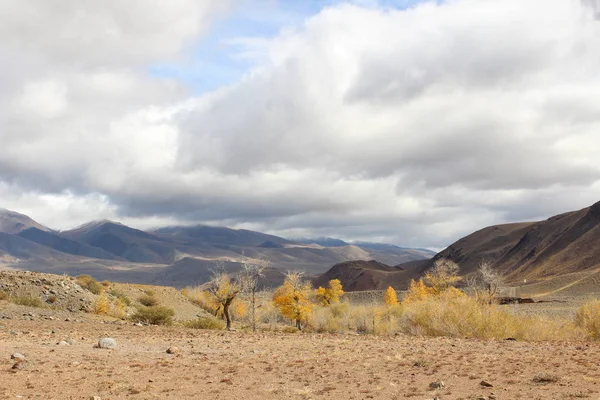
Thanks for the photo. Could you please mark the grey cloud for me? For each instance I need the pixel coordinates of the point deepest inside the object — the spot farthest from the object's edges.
(411, 126)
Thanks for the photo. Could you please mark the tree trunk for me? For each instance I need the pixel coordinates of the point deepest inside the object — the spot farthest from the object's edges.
(227, 316)
(253, 310)
(298, 325)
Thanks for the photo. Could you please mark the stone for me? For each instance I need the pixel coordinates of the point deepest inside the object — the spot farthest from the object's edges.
(437, 385)
(19, 366)
(63, 343)
(72, 342)
(173, 350)
(486, 384)
(107, 343)
(17, 356)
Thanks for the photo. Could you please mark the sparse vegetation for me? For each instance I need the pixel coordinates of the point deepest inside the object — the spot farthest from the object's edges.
(154, 315)
(587, 318)
(27, 300)
(121, 296)
(51, 299)
(205, 323)
(89, 283)
(3, 295)
(148, 300)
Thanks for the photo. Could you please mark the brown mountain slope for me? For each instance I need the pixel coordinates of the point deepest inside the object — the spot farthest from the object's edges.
(368, 275)
(562, 244)
(537, 251)
(12, 222)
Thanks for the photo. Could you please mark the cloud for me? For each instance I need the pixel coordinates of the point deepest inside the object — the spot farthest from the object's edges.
(413, 126)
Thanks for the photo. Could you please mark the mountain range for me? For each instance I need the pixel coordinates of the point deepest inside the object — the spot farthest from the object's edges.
(566, 246)
(176, 256)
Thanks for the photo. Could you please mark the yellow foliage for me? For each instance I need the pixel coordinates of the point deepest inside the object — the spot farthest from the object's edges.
(292, 300)
(390, 297)
(417, 291)
(118, 309)
(331, 294)
(101, 305)
(238, 309)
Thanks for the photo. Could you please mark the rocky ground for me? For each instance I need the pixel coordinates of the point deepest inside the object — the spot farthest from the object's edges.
(61, 362)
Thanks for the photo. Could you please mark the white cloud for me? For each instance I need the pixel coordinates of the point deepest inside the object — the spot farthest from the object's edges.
(413, 126)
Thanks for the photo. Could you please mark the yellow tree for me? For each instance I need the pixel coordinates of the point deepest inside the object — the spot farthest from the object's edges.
(417, 291)
(331, 294)
(442, 275)
(222, 291)
(292, 298)
(390, 297)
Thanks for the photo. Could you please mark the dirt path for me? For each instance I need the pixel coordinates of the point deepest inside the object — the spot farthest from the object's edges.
(219, 365)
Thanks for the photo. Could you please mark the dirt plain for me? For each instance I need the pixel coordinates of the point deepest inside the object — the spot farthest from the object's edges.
(234, 365)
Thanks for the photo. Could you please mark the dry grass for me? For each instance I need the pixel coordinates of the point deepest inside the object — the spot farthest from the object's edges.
(464, 316)
(27, 300)
(587, 318)
(3, 295)
(205, 323)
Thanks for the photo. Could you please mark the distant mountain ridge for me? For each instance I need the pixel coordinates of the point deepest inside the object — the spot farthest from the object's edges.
(175, 255)
(12, 222)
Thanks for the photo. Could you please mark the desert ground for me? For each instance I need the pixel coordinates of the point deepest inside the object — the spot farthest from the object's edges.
(232, 365)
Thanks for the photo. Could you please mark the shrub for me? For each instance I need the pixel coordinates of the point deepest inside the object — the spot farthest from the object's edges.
(118, 309)
(150, 292)
(148, 301)
(587, 318)
(106, 284)
(89, 283)
(121, 296)
(28, 301)
(205, 323)
(51, 299)
(3, 295)
(155, 315)
(101, 305)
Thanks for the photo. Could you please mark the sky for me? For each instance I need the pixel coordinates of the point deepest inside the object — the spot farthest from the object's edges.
(406, 122)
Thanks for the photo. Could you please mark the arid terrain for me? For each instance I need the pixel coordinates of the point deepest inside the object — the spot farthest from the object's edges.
(62, 362)
(229, 365)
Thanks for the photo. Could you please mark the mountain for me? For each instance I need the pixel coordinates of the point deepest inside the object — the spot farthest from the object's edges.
(57, 242)
(221, 236)
(563, 244)
(176, 255)
(128, 243)
(368, 275)
(324, 241)
(13, 222)
(192, 272)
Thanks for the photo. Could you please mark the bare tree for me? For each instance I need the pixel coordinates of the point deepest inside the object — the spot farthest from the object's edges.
(442, 275)
(223, 291)
(485, 282)
(252, 274)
